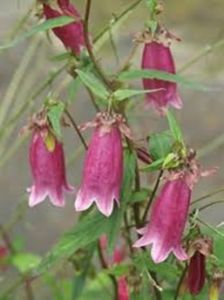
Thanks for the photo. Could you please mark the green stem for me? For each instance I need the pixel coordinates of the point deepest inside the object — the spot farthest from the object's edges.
(210, 204)
(211, 146)
(182, 277)
(118, 18)
(208, 49)
(17, 78)
(208, 196)
(75, 126)
(152, 196)
(105, 266)
(89, 45)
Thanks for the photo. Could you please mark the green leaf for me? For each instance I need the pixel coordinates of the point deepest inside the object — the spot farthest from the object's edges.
(143, 262)
(160, 144)
(24, 262)
(154, 166)
(119, 270)
(155, 74)
(94, 84)
(174, 127)
(72, 89)
(54, 114)
(140, 196)
(49, 24)
(79, 280)
(126, 93)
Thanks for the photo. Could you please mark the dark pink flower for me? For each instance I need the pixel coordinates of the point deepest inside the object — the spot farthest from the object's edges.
(199, 249)
(48, 170)
(167, 222)
(157, 56)
(71, 35)
(196, 273)
(103, 168)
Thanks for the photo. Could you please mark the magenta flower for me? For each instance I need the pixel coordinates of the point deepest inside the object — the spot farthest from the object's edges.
(196, 273)
(168, 218)
(103, 168)
(157, 56)
(48, 171)
(71, 35)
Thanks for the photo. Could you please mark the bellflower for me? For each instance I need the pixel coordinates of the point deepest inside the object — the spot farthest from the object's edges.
(48, 170)
(71, 35)
(201, 248)
(167, 222)
(103, 167)
(196, 273)
(157, 56)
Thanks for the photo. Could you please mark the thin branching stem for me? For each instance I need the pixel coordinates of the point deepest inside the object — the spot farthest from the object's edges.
(75, 126)
(90, 47)
(152, 196)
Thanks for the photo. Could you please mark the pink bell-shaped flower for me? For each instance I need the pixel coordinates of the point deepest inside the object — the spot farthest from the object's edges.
(157, 56)
(167, 222)
(71, 35)
(103, 167)
(48, 169)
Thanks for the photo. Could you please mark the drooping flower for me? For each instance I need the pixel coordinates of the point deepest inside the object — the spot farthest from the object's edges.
(167, 222)
(103, 166)
(71, 35)
(196, 273)
(48, 169)
(158, 56)
(170, 210)
(201, 248)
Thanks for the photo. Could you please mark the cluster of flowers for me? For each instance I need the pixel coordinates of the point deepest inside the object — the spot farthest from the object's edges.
(103, 166)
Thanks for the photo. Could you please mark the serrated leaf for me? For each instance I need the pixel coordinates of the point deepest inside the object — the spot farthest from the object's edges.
(155, 74)
(160, 144)
(24, 262)
(55, 113)
(94, 84)
(123, 94)
(49, 24)
(174, 127)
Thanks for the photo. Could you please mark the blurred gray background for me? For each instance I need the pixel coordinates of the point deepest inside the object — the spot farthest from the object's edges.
(199, 23)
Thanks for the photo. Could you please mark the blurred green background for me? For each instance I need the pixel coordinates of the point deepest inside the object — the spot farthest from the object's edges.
(199, 23)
